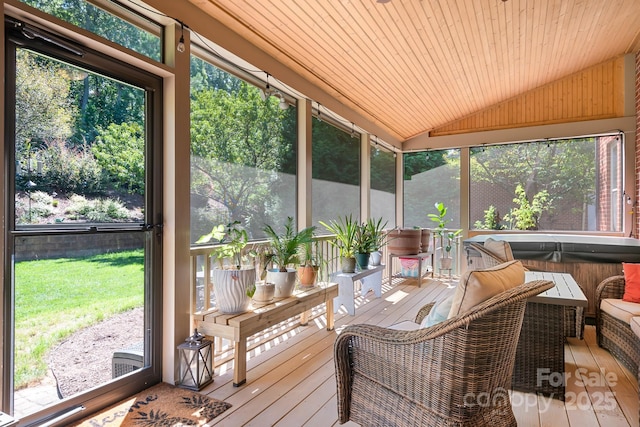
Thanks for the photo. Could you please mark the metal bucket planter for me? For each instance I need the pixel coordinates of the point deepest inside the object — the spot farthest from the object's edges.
(285, 282)
(230, 287)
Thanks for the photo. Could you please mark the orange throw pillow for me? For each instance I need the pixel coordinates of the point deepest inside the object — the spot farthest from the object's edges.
(631, 282)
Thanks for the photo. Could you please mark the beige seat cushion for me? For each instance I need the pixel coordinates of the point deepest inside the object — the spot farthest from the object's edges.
(405, 325)
(635, 325)
(501, 248)
(621, 310)
(480, 285)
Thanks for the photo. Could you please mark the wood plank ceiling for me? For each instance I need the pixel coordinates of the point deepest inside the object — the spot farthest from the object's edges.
(411, 66)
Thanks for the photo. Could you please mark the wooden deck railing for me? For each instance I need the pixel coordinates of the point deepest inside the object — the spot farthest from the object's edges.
(202, 264)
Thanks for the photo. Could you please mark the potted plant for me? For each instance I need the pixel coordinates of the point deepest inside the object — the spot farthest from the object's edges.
(284, 250)
(345, 230)
(440, 218)
(378, 239)
(309, 265)
(233, 284)
(445, 261)
(265, 290)
(363, 246)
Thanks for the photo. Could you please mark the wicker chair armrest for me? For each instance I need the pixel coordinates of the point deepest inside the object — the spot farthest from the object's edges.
(423, 312)
(612, 287)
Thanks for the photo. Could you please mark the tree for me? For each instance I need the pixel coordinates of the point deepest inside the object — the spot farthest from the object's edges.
(565, 169)
(119, 149)
(44, 111)
(526, 215)
(238, 145)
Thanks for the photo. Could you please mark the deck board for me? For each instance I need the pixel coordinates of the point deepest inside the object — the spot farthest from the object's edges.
(290, 379)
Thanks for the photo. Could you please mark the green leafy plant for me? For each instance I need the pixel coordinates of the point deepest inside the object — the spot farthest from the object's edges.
(375, 231)
(440, 218)
(449, 239)
(285, 247)
(345, 229)
(233, 238)
(527, 215)
(364, 240)
(491, 220)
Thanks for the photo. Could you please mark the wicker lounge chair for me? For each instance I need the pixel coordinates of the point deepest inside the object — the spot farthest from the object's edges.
(456, 373)
(614, 334)
(574, 316)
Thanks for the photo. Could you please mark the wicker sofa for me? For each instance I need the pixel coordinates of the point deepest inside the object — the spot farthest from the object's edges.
(618, 322)
(432, 376)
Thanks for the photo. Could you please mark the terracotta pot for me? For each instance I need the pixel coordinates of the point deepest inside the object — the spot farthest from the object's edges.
(230, 287)
(307, 276)
(404, 241)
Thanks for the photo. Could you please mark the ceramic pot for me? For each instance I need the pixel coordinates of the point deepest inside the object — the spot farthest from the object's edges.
(362, 260)
(375, 258)
(230, 288)
(445, 263)
(264, 292)
(285, 282)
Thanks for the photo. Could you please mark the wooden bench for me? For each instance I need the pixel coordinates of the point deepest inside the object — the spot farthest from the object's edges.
(370, 278)
(238, 327)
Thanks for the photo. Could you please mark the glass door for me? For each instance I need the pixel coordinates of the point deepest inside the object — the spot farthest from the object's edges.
(82, 281)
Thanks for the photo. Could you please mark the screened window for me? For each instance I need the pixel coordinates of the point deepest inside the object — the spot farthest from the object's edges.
(383, 185)
(571, 185)
(243, 154)
(431, 177)
(336, 173)
(136, 33)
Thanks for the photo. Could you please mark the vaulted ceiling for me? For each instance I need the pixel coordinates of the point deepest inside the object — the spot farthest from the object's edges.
(412, 66)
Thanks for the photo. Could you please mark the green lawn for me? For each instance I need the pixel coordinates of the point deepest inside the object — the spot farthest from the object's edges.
(54, 298)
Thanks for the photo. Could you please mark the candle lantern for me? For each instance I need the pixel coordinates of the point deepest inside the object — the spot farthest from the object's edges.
(196, 361)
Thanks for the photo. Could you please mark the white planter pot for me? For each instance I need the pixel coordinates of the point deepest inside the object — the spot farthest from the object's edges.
(285, 282)
(375, 258)
(230, 287)
(264, 292)
(445, 263)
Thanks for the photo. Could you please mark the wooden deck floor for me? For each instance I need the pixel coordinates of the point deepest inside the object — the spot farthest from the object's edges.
(290, 378)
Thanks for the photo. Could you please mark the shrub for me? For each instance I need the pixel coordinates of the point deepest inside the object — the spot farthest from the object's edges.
(120, 151)
(63, 169)
(98, 210)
